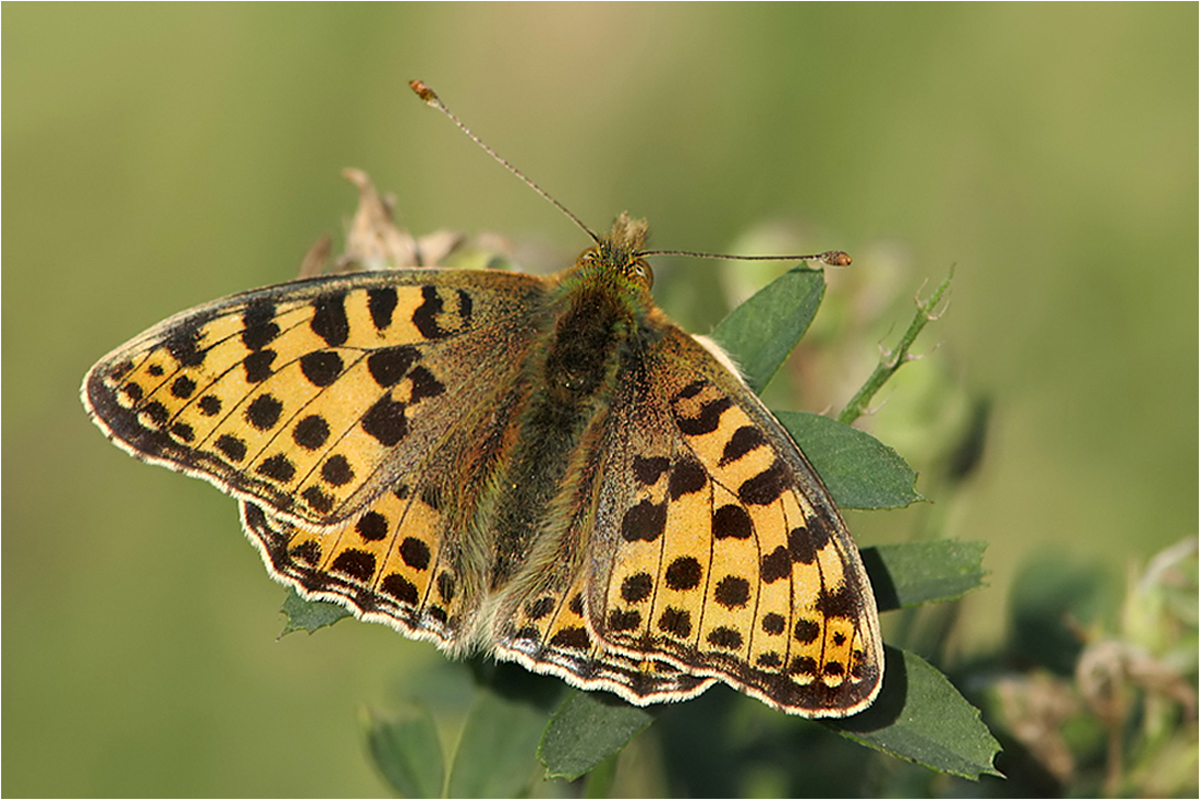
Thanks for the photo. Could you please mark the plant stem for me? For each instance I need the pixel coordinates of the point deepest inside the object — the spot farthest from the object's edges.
(892, 360)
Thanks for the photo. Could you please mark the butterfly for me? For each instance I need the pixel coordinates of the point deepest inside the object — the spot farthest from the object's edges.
(546, 469)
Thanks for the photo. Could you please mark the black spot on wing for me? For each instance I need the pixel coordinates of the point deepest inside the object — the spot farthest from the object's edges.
(372, 526)
(317, 499)
(355, 564)
(706, 421)
(803, 665)
(676, 621)
(649, 470)
(620, 621)
(572, 638)
(183, 432)
(684, 574)
(182, 387)
(425, 317)
(691, 390)
(645, 522)
(311, 432)
(400, 588)
(687, 477)
(424, 385)
(415, 553)
(277, 468)
(765, 487)
(731, 522)
(465, 307)
(381, 303)
(840, 603)
(260, 328)
(233, 447)
(806, 631)
(321, 368)
(184, 345)
(263, 412)
(818, 531)
(637, 587)
(210, 405)
(336, 471)
(309, 552)
(257, 365)
(156, 412)
(385, 422)
(445, 586)
(725, 638)
(800, 546)
(329, 319)
(776, 565)
(744, 439)
(389, 365)
(540, 607)
(732, 592)
(769, 660)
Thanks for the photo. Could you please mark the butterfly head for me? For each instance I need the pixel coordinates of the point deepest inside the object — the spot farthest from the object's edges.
(619, 254)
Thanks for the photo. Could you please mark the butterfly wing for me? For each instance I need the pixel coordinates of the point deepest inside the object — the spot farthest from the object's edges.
(718, 548)
(355, 417)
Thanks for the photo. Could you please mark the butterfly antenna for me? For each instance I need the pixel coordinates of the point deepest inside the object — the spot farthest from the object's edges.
(431, 98)
(834, 258)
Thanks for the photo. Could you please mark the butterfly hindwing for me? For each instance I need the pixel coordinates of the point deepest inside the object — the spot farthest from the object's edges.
(727, 557)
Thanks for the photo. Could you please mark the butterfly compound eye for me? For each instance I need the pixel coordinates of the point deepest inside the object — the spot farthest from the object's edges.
(642, 271)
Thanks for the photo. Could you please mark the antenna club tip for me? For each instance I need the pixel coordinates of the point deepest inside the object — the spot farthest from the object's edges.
(836, 258)
(424, 92)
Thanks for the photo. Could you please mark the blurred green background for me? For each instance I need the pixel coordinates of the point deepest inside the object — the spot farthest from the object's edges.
(157, 157)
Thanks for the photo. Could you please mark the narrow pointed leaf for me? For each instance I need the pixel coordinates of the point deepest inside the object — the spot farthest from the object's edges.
(859, 470)
(919, 716)
(407, 751)
(912, 573)
(761, 332)
(588, 728)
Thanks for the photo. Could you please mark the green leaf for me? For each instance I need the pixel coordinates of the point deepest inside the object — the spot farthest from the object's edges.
(406, 750)
(497, 751)
(588, 728)
(859, 470)
(761, 332)
(919, 716)
(308, 615)
(904, 575)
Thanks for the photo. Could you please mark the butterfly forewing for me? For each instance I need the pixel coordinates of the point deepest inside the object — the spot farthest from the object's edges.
(310, 397)
(728, 558)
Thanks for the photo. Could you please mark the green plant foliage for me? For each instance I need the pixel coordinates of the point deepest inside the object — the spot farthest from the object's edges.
(308, 615)
(406, 749)
(587, 729)
(920, 716)
(858, 470)
(761, 332)
(495, 755)
(908, 574)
